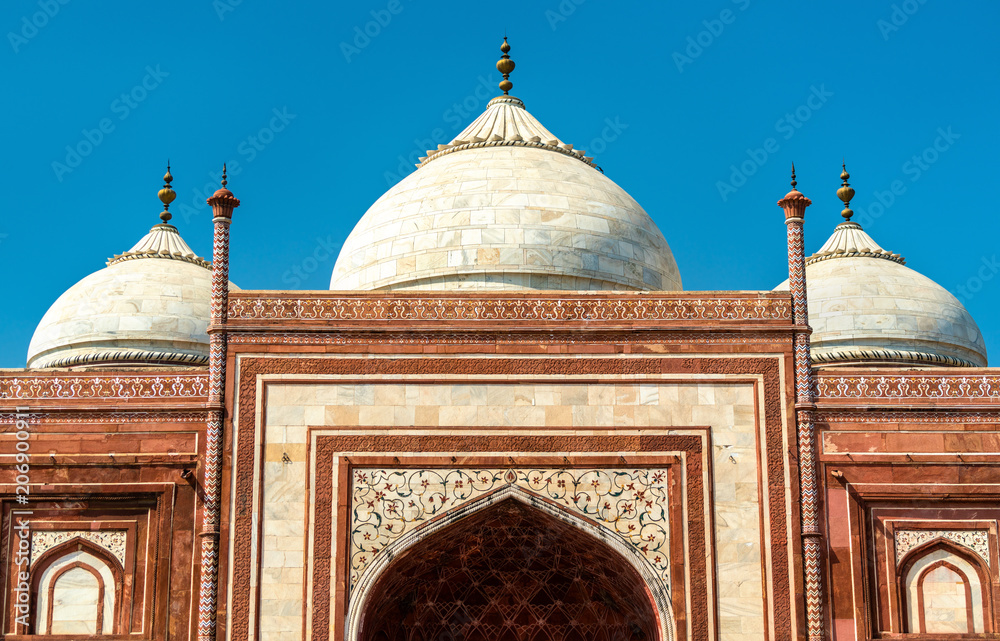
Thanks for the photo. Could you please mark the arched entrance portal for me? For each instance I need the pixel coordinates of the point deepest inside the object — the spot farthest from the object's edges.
(509, 573)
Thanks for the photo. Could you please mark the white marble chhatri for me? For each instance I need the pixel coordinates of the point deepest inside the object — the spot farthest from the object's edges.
(150, 305)
(866, 306)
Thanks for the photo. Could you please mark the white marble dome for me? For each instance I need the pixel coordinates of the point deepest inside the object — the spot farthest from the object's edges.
(506, 205)
(149, 306)
(866, 307)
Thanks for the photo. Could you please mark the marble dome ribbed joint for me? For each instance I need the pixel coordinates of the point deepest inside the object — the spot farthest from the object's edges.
(506, 123)
(162, 241)
(849, 240)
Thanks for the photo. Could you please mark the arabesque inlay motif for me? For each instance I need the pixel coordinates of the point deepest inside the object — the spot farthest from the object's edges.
(388, 503)
(976, 540)
(511, 309)
(188, 386)
(938, 386)
(111, 540)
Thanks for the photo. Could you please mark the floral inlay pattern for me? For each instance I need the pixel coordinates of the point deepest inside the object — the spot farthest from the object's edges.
(113, 541)
(182, 386)
(387, 503)
(569, 308)
(938, 386)
(976, 540)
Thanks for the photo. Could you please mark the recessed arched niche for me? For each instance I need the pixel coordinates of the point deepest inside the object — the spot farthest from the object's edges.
(510, 571)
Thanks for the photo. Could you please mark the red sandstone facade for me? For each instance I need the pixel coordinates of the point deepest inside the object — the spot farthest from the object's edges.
(903, 473)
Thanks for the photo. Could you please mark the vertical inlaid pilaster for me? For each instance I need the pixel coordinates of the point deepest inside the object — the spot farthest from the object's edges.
(794, 204)
(223, 203)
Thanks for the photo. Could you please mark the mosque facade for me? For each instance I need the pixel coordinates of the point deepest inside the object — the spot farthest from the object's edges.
(506, 420)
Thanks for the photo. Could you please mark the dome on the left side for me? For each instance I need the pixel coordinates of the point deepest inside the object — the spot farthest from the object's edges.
(148, 307)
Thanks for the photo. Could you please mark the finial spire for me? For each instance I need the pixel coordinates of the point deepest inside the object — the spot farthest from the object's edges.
(224, 181)
(845, 193)
(505, 65)
(793, 176)
(166, 195)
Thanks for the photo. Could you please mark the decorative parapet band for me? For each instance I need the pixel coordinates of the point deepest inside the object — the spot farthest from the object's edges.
(962, 387)
(188, 387)
(366, 307)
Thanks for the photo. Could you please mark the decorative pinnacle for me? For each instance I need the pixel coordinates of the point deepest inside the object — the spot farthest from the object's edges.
(505, 65)
(846, 193)
(793, 176)
(224, 181)
(166, 195)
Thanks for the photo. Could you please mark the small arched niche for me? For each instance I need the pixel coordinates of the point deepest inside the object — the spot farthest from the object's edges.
(945, 590)
(77, 590)
(509, 572)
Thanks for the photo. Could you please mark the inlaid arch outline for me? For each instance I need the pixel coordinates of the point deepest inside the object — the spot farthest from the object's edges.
(969, 556)
(43, 585)
(658, 590)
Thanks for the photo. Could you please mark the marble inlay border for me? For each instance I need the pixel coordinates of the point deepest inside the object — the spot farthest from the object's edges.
(908, 386)
(114, 541)
(976, 540)
(388, 503)
(524, 308)
(27, 388)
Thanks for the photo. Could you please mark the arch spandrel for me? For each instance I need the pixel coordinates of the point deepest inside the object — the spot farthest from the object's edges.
(388, 504)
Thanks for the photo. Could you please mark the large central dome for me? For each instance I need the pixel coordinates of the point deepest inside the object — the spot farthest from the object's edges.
(506, 206)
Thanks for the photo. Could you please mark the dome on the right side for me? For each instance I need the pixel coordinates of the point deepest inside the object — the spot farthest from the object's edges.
(866, 307)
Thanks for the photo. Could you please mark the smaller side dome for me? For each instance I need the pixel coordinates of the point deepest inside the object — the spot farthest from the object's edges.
(148, 307)
(866, 307)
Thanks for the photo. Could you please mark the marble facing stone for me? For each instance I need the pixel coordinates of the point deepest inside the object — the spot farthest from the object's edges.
(508, 408)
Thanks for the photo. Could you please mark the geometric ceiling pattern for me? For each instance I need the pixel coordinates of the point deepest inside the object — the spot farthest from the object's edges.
(509, 573)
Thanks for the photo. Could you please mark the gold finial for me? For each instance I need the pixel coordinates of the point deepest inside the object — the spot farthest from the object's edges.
(846, 193)
(166, 195)
(505, 65)
(224, 181)
(793, 176)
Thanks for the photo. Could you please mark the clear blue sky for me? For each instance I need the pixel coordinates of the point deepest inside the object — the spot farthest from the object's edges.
(694, 89)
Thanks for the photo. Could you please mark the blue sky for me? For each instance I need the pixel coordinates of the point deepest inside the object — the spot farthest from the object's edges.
(696, 109)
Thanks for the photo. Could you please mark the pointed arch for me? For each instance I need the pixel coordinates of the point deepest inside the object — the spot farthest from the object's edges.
(944, 556)
(656, 590)
(58, 563)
